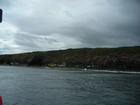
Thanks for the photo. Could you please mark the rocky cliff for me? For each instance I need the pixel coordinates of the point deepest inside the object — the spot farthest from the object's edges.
(126, 58)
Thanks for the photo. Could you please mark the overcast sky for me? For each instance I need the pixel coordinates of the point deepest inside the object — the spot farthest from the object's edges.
(42, 25)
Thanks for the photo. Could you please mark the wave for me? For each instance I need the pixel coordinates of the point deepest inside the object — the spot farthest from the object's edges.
(115, 71)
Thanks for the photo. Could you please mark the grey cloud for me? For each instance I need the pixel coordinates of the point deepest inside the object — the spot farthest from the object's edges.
(27, 40)
(35, 24)
(5, 3)
(67, 24)
(129, 7)
(69, 14)
(3, 50)
(123, 32)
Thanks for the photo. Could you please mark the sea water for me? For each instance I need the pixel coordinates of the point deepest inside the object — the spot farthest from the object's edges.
(47, 86)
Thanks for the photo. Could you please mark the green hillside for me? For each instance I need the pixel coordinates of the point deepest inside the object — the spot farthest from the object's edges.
(98, 58)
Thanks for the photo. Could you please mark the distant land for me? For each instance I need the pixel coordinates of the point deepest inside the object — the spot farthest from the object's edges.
(122, 58)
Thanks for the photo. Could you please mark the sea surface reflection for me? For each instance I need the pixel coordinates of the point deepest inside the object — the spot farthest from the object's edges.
(46, 86)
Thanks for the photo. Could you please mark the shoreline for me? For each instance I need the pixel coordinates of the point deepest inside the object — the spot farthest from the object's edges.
(113, 70)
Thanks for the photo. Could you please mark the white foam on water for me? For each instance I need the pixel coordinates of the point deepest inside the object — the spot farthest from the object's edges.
(111, 71)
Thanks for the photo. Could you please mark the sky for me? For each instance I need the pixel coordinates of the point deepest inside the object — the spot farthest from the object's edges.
(43, 25)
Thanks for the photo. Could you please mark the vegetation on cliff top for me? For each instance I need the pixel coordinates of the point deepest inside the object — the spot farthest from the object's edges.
(102, 58)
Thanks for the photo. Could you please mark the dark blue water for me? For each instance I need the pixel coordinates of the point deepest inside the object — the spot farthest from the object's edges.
(41, 86)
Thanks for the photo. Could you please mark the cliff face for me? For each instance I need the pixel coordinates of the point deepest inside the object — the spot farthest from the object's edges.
(108, 62)
(100, 58)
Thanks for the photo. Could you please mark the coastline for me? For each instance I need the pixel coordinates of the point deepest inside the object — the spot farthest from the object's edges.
(83, 69)
(114, 59)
